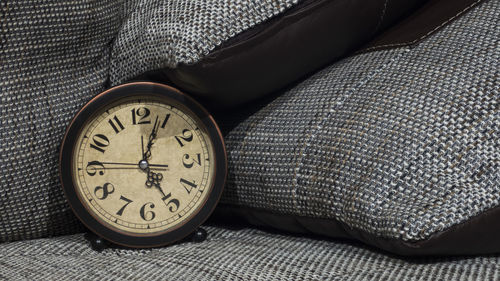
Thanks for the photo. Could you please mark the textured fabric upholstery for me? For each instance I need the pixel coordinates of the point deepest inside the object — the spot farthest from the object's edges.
(160, 33)
(53, 58)
(399, 144)
(243, 254)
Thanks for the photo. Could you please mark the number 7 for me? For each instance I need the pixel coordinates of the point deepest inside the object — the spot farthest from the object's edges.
(120, 212)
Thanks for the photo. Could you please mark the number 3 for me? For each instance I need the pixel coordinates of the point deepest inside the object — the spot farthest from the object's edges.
(190, 165)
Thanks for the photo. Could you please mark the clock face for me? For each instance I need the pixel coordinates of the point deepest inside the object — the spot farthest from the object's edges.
(141, 166)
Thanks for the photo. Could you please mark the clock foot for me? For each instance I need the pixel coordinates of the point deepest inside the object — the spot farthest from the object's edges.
(199, 235)
(97, 243)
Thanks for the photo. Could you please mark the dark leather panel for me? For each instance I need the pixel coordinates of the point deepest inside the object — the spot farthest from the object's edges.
(479, 235)
(434, 15)
(284, 49)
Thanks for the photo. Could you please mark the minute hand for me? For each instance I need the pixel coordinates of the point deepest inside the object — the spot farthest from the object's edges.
(133, 164)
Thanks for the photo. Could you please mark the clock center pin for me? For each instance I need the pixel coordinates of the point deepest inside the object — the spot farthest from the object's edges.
(143, 164)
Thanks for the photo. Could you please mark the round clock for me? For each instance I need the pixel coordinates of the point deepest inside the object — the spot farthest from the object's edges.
(143, 165)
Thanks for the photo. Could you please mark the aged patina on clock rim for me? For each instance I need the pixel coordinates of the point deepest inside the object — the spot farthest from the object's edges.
(163, 93)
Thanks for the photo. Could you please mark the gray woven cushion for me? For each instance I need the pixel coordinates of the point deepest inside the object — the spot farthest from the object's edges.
(243, 254)
(53, 57)
(400, 144)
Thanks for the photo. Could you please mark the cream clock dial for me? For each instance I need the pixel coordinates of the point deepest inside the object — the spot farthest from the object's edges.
(143, 165)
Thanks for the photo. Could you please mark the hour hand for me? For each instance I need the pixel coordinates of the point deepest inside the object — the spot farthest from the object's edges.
(142, 147)
(146, 155)
(154, 179)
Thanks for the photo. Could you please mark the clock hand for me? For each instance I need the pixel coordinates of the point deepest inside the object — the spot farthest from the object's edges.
(142, 146)
(154, 179)
(132, 164)
(152, 137)
(128, 168)
(96, 166)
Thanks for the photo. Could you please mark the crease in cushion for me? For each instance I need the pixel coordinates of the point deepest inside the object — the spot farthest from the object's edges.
(398, 144)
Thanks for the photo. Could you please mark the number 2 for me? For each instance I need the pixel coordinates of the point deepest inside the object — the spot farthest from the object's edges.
(187, 136)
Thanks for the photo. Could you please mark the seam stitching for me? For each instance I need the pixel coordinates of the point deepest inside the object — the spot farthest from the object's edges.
(427, 34)
(307, 143)
(382, 15)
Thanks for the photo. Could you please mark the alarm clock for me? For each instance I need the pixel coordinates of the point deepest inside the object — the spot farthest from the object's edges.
(143, 165)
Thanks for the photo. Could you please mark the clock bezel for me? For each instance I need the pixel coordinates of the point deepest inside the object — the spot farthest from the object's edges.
(102, 228)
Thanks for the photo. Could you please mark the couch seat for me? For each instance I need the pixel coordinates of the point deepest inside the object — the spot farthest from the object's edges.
(231, 254)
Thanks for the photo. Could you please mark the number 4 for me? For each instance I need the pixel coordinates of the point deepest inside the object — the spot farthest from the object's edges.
(188, 185)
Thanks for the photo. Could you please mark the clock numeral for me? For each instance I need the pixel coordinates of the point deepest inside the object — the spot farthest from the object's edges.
(93, 167)
(188, 185)
(187, 136)
(128, 201)
(165, 121)
(142, 113)
(118, 127)
(190, 165)
(100, 141)
(171, 203)
(104, 190)
(149, 215)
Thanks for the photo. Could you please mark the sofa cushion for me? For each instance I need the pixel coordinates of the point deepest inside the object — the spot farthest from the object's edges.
(271, 51)
(237, 254)
(56, 61)
(51, 63)
(157, 34)
(394, 147)
(54, 57)
(266, 57)
(421, 24)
